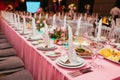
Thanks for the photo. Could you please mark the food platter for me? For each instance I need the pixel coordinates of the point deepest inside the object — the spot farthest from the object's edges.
(83, 52)
(110, 54)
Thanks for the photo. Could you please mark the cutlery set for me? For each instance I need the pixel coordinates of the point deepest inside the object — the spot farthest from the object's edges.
(80, 72)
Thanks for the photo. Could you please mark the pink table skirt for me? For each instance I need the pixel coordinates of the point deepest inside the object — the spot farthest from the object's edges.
(42, 68)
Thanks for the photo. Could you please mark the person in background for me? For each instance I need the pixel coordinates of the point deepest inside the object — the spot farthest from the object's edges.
(115, 12)
(9, 8)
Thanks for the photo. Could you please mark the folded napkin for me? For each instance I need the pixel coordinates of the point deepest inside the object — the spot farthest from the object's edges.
(54, 19)
(65, 20)
(34, 26)
(24, 25)
(46, 36)
(7, 52)
(78, 26)
(11, 63)
(5, 46)
(15, 21)
(20, 75)
(19, 24)
(3, 41)
(99, 30)
(71, 51)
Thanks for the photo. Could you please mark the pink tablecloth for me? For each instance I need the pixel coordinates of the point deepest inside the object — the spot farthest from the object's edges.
(43, 68)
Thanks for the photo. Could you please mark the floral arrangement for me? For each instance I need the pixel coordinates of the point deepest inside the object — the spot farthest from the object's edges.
(58, 34)
(40, 22)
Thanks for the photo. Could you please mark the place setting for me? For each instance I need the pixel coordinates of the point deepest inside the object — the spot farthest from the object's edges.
(48, 44)
(70, 60)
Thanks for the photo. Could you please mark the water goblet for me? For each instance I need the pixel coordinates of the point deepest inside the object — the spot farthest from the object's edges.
(95, 48)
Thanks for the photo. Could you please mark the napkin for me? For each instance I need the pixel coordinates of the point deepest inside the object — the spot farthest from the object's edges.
(39, 15)
(54, 17)
(46, 36)
(33, 26)
(46, 16)
(24, 24)
(65, 21)
(99, 30)
(12, 20)
(19, 22)
(34, 15)
(71, 51)
(15, 21)
(78, 26)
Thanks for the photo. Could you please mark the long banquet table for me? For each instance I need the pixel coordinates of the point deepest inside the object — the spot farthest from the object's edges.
(43, 68)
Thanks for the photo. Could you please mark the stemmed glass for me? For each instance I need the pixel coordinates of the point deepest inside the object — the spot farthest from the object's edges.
(77, 41)
(95, 48)
(110, 40)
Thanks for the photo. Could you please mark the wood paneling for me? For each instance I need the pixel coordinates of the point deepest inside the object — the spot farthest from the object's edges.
(103, 6)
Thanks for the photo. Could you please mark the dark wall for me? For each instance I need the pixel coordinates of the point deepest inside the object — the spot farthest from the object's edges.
(82, 3)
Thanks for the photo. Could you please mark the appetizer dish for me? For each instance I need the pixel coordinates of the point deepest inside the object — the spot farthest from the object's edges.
(111, 54)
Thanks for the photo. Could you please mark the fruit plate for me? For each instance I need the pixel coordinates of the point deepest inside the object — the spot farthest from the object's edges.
(110, 54)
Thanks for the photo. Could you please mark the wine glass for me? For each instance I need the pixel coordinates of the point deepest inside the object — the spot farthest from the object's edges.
(95, 48)
(77, 41)
(112, 39)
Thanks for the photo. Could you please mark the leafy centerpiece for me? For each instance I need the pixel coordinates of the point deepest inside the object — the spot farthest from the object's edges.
(58, 35)
(40, 22)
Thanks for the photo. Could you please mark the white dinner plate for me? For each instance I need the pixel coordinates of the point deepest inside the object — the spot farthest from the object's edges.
(33, 38)
(52, 54)
(95, 39)
(42, 47)
(80, 63)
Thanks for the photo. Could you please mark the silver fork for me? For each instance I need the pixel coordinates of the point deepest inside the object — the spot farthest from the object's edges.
(80, 72)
